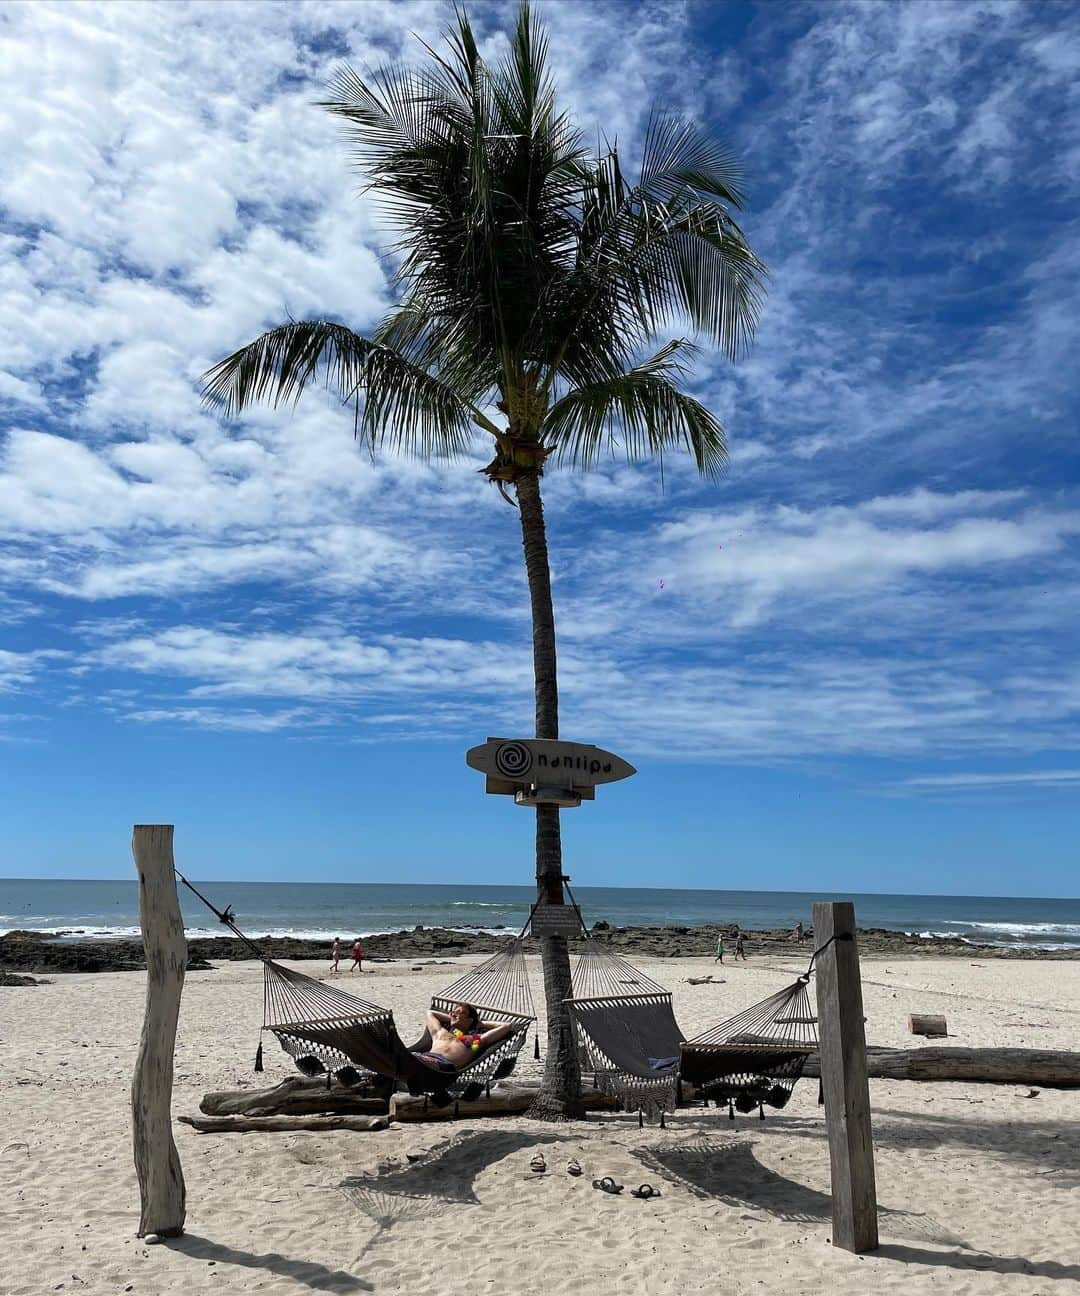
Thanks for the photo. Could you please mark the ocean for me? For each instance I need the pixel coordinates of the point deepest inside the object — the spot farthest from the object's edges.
(321, 910)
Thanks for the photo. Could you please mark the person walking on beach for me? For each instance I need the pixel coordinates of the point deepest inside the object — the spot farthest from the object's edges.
(719, 948)
(798, 932)
(357, 956)
(335, 955)
(740, 947)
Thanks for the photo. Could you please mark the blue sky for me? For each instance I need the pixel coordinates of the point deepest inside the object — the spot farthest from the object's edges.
(861, 669)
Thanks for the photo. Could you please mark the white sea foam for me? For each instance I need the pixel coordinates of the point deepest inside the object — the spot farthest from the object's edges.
(1020, 929)
(480, 904)
(1009, 935)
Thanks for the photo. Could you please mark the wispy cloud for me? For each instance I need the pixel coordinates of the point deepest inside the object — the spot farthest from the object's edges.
(974, 782)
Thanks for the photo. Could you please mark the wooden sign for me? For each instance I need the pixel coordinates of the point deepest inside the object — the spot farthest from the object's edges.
(555, 920)
(513, 763)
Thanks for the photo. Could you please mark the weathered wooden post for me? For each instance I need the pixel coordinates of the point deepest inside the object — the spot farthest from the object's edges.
(843, 1078)
(157, 1162)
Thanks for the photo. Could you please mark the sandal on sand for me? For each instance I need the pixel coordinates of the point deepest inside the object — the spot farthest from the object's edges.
(607, 1184)
(538, 1165)
(644, 1192)
(573, 1167)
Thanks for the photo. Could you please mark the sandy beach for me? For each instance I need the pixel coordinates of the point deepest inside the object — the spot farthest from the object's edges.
(978, 1186)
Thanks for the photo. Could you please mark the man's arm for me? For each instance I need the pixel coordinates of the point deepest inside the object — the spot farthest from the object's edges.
(491, 1034)
(436, 1021)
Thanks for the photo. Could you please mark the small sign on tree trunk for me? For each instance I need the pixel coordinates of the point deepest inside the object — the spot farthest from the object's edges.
(555, 920)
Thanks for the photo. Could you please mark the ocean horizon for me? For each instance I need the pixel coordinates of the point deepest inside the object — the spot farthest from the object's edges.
(100, 909)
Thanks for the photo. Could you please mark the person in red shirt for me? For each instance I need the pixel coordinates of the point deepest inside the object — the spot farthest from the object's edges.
(357, 956)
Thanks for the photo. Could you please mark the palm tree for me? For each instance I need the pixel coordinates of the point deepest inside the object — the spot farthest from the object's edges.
(532, 279)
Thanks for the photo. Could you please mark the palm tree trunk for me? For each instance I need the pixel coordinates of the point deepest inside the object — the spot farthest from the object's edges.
(560, 1090)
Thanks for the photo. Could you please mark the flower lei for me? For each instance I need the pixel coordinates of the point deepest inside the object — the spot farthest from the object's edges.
(470, 1038)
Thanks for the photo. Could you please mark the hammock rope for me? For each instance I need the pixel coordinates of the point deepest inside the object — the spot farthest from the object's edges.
(332, 1031)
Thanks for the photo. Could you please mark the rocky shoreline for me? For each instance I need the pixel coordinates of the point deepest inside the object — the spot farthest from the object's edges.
(37, 952)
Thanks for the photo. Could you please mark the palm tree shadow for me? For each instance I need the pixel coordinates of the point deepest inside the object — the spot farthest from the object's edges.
(980, 1261)
(727, 1170)
(1047, 1148)
(316, 1276)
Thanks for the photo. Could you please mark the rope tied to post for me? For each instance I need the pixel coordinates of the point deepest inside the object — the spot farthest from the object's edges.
(840, 936)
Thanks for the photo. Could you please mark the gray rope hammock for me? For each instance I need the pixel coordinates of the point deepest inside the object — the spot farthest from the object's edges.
(627, 1034)
(330, 1031)
(756, 1057)
(625, 1029)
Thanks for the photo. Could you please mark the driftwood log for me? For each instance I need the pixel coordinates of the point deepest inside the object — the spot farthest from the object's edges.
(1049, 1068)
(931, 1025)
(505, 1100)
(295, 1096)
(281, 1124)
(298, 1096)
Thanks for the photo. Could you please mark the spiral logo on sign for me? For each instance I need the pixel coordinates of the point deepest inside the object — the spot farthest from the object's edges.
(513, 759)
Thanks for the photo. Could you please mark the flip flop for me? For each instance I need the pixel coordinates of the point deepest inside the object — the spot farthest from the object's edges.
(573, 1167)
(607, 1184)
(644, 1192)
(538, 1165)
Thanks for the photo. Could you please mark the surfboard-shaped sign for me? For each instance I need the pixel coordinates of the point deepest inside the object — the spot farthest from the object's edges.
(513, 763)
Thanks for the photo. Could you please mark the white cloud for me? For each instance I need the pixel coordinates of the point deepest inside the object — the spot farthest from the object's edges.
(782, 566)
(1068, 778)
(890, 567)
(20, 669)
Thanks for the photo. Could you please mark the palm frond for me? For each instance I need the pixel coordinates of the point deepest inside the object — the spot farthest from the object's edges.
(646, 406)
(677, 156)
(396, 401)
(278, 366)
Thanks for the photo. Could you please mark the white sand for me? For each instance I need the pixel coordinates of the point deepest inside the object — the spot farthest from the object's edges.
(979, 1186)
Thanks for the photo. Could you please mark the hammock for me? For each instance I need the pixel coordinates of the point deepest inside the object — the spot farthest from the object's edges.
(329, 1031)
(755, 1058)
(626, 1030)
(325, 1029)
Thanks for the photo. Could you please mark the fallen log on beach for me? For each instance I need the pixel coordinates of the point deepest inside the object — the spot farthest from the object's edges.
(504, 1100)
(932, 1025)
(1049, 1068)
(281, 1124)
(296, 1096)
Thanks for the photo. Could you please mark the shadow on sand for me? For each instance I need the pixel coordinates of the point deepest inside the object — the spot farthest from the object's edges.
(446, 1173)
(1044, 1147)
(444, 1176)
(315, 1276)
(727, 1170)
(975, 1261)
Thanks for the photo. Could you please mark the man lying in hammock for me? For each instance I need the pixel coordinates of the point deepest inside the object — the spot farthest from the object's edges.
(458, 1036)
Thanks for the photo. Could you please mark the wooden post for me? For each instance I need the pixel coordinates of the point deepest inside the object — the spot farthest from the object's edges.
(157, 1162)
(843, 1078)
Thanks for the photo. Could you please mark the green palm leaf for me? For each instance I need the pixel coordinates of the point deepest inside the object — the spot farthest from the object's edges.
(646, 406)
(397, 401)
